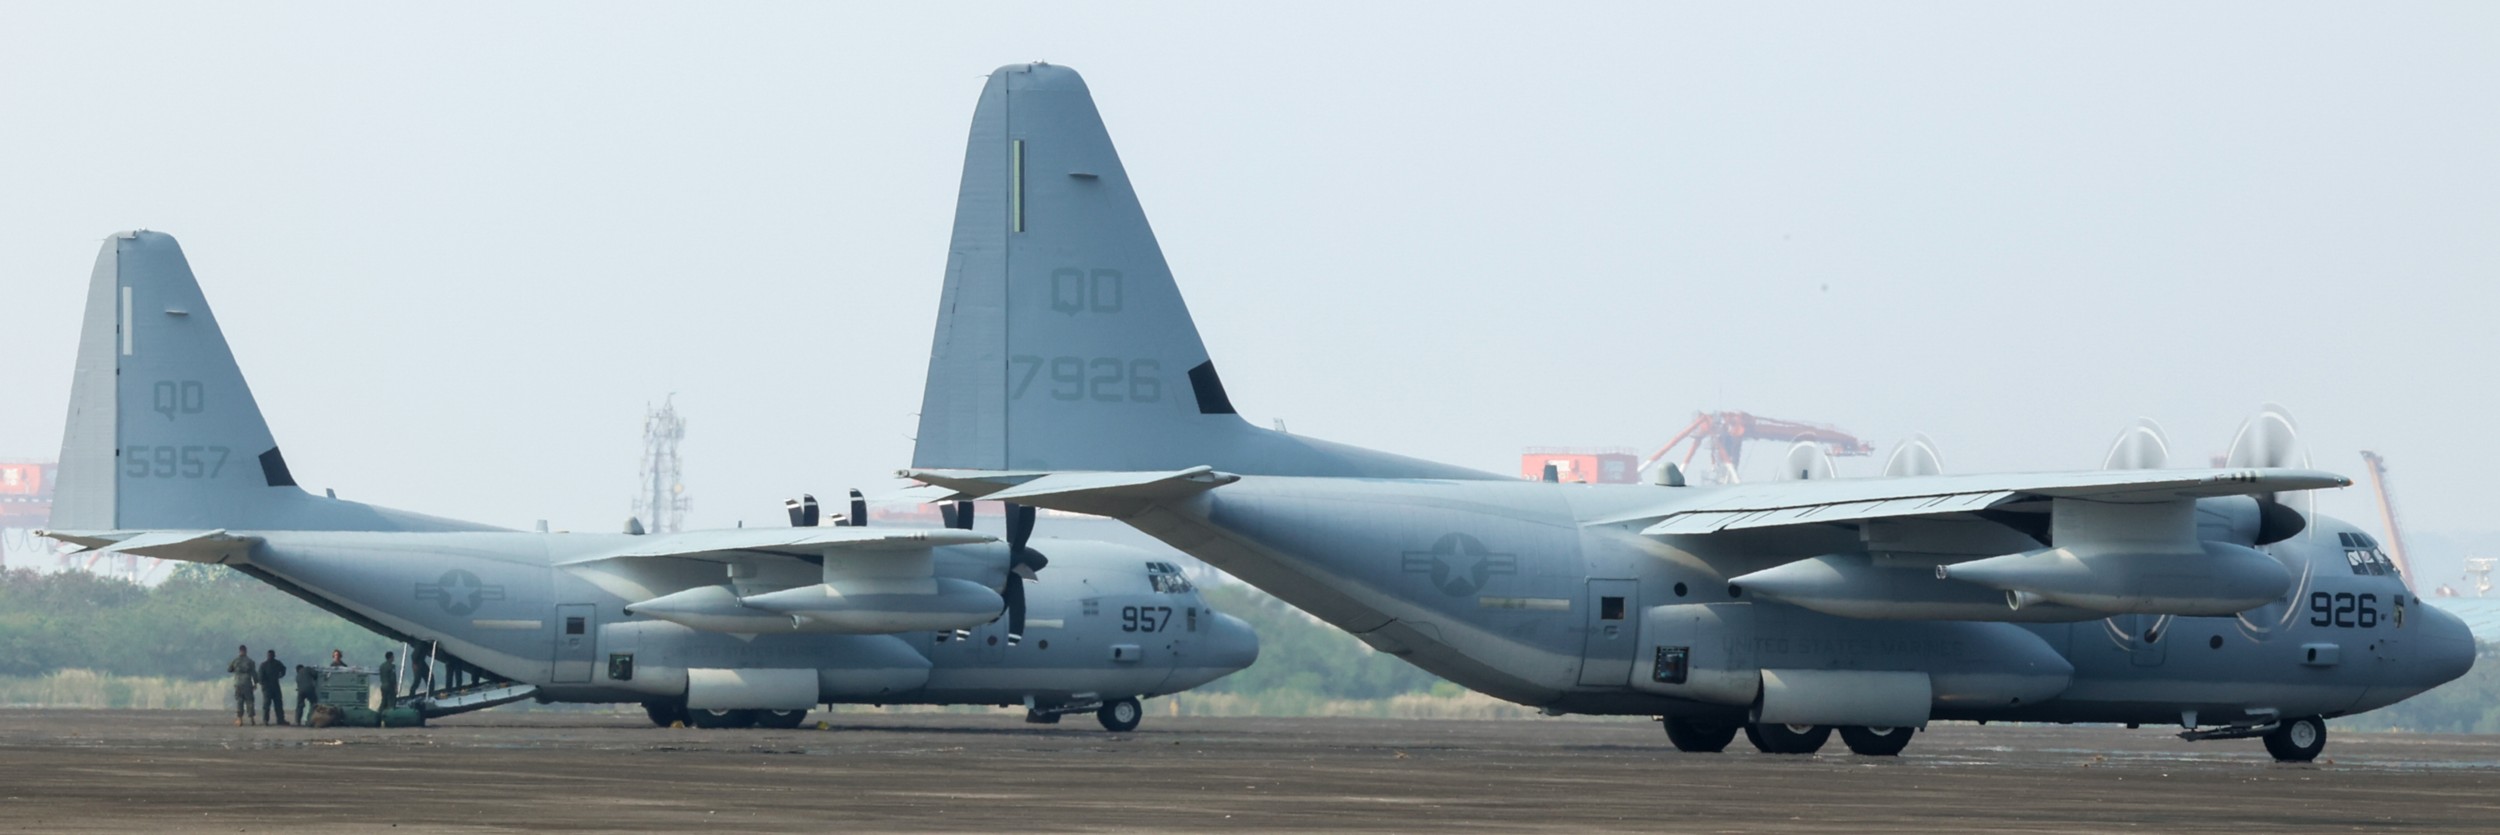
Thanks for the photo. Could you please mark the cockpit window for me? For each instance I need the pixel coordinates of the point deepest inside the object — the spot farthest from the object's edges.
(2367, 559)
(1166, 578)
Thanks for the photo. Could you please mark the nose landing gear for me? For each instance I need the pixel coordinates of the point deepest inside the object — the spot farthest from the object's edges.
(2297, 740)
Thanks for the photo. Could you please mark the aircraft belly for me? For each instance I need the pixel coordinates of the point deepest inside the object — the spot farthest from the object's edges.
(468, 591)
(1487, 601)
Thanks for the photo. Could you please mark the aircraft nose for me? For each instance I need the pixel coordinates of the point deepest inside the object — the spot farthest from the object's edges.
(1233, 646)
(2450, 646)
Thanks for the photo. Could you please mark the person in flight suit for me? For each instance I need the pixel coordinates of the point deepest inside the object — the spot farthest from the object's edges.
(389, 674)
(307, 686)
(273, 691)
(243, 671)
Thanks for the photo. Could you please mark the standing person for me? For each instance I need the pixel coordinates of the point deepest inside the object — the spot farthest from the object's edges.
(390, 681)
(307, 684)
(337, 660)
(242, 669)
(272, 691)
(421, 669)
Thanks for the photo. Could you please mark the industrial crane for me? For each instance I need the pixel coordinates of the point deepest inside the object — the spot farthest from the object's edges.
(2387, 515)
(1725, 434)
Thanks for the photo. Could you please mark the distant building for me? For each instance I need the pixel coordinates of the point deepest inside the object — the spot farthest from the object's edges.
(26, 493)
(1581, 466)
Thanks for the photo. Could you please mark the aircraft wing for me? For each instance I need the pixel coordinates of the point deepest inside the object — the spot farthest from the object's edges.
(1827, 501)
(797, 543)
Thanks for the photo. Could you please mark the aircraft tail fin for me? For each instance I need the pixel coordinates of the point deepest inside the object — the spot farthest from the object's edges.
(1062, 341)
(163, 433)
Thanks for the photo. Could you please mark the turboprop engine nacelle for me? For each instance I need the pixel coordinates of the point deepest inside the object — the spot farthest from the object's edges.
(2131, 559)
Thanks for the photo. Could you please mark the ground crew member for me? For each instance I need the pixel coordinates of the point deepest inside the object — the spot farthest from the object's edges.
(243, 670)
(390, 681)
(272, 691)
(307, 685)
(337, 660)
(421, 669)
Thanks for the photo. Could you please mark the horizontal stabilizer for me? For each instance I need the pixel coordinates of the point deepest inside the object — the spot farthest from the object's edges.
(1105, 493)
(187, 546)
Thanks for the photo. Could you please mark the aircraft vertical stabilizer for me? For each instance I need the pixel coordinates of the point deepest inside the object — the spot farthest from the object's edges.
(163, 432)
(1062, 341)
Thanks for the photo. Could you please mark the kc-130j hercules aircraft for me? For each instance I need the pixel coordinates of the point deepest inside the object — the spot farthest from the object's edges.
(167, 456)
(1066, 373)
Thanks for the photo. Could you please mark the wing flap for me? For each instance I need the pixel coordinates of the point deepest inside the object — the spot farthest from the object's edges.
(739, 543)
(1831, 501)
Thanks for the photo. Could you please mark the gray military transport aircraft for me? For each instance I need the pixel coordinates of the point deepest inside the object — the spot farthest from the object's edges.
(167, 456)
(1067, 373)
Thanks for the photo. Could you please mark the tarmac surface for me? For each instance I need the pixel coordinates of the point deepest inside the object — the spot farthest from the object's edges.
(123, 771)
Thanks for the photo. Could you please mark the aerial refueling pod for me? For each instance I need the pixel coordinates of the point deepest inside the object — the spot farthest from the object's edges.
(873, 608)
(1859, 586)
(1794, 665)
(2137, 558)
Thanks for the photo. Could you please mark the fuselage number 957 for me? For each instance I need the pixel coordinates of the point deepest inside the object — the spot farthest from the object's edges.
(1145, 618)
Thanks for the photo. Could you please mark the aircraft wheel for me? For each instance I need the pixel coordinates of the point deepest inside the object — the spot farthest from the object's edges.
(1788, 739)
(2297, 740)
(1876, 742)
(1036, 717)
(1698, 737)
(1121, 715)
(720, 718)
(782, 719)
(665, 714)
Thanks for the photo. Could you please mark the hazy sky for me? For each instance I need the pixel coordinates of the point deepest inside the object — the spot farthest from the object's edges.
(459, 247)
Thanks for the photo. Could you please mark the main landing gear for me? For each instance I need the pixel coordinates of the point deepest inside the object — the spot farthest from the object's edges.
(1876, 742)
(1694, 736)
(1703, 736)
(669, 713)
(1788, 739)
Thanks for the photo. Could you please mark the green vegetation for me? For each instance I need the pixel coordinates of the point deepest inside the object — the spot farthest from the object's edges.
(184, 629)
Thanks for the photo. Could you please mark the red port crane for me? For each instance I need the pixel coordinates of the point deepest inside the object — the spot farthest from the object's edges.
(1725, 434)
(2387, 514)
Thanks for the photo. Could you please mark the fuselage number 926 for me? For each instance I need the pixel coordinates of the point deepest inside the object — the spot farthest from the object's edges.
(2343, 609)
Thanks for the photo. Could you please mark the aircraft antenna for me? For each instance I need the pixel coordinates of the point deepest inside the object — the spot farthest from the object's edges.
(661, 497)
